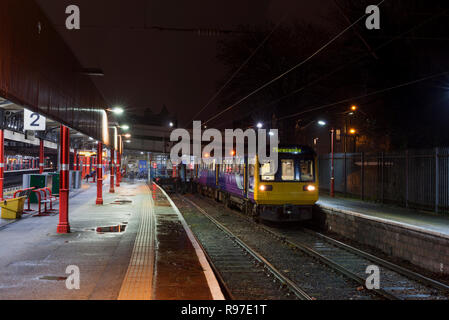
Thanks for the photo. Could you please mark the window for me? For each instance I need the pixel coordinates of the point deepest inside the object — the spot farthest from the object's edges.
(265, 169)
(288, 170)
(306, 168)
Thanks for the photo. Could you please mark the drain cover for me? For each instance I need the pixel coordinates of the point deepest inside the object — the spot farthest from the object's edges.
(121, 201)
(119, 228)
(53, 278)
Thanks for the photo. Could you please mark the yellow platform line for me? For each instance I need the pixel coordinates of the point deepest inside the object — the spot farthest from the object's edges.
(138, 281)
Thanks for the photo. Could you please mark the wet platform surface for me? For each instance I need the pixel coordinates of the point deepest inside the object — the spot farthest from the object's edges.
(150, 257)
(436, 224)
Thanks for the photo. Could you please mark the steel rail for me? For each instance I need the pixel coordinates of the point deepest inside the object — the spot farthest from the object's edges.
(389, 265)
(301, 294)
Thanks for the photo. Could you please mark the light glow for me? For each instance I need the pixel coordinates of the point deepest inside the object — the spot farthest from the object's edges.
(311, 188)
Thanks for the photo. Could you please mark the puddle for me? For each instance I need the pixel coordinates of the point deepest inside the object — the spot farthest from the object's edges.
(119, 228)
(53, 278)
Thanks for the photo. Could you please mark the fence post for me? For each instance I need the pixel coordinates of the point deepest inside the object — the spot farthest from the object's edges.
(437, 180)
(382, 163)
(362, 156)
(345, 172)
(406, 178)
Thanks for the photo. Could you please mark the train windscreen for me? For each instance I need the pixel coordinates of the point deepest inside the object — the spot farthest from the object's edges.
(293, 168)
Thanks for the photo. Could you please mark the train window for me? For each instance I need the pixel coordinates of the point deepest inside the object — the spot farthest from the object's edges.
(306, 167)
(264, 170)
(288, 170)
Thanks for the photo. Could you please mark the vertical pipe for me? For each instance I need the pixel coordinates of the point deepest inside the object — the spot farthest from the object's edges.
(332, 164)
(2, 161)
(437, 180)
(75, 159)
(63, 226)
(99, 174)
(111, 188)
(41, 156)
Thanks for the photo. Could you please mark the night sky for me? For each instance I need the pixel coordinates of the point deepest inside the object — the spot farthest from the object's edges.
(147, 68)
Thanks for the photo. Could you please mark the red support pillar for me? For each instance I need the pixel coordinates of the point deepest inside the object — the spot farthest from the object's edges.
(83, 167)
(2, 162)
(94, 165)
(63, 226)
(111, 189)
(41, 156)
(118, 169)
(100, 174)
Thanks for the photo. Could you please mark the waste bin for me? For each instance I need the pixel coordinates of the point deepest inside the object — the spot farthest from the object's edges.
(12, 208)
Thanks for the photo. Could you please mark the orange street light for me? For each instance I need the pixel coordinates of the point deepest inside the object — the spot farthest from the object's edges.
(352, 131)
(354, 107)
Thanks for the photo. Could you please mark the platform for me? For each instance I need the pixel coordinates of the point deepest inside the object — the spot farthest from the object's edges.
(155, 257)
(421, 238)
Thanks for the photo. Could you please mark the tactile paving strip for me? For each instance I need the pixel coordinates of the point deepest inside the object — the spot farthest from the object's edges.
(138, 282)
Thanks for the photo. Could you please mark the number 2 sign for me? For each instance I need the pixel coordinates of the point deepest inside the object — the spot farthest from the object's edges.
(33, 121)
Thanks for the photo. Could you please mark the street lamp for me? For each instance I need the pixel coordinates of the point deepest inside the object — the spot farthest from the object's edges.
(125, 127)
(118, 110)
(171, 124)
(332, 186)
(259, 125)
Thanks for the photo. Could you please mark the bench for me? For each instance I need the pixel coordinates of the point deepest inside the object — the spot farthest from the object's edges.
(44, 196)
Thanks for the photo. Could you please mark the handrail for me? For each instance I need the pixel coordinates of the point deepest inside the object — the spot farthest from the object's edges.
(28, 197)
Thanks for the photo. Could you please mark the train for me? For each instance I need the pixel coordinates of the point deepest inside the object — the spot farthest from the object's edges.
(288, 195)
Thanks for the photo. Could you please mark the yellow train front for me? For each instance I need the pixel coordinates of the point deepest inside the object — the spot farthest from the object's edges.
(288, 195)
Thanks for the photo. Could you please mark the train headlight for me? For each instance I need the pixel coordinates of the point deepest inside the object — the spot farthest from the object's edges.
(309, 187)
(266, 187)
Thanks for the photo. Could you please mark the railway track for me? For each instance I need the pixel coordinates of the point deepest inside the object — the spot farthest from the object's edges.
(248, 274)
(396, 281)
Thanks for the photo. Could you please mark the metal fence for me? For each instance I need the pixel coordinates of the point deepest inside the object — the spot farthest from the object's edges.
(413, 179)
